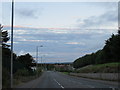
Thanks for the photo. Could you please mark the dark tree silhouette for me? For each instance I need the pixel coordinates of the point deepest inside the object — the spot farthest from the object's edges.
(4, 37)
(27, 60)
(109, 53)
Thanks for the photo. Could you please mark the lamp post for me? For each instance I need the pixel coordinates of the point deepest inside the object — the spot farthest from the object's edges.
(44, 65)
(37, 57)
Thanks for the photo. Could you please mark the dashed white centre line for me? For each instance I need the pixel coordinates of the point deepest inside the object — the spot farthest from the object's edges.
(90, 86)
(58, 83)
(112, 88)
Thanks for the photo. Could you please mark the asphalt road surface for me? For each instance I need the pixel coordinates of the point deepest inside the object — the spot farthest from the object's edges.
(51, 79)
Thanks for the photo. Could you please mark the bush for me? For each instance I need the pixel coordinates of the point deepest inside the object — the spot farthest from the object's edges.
(38, 71)
(5, 78)
(22, 72)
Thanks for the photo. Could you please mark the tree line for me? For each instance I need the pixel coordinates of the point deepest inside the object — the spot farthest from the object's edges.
(22, 65)
(109, 53)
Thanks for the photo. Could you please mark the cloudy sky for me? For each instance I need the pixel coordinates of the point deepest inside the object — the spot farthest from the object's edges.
(67, 30)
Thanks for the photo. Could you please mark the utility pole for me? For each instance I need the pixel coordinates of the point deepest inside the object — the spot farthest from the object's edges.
(12, 21)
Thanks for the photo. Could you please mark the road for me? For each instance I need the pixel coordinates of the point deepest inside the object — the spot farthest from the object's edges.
(51, 79)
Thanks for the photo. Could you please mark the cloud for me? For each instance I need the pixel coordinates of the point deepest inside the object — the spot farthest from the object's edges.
(35, 40)
(106, 5)
(29, 40)
(24, 31)
(9, 42)
(22, 52)
(75, 43)
(107, 20)
(20, 31)
(64, 47)
(28, 13)
(61, 45)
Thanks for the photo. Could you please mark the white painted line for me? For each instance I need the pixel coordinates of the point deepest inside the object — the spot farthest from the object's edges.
(58, 83)
(90, 86)
(62, 87)
(112, 88)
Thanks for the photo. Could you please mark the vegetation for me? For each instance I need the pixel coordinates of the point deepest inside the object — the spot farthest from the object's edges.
(27, 61)
(66, 73)
(100, 68)
(22, 65)
(109, 53)
(5, 58)
(23, 75)
(63, 70)
(50, 67)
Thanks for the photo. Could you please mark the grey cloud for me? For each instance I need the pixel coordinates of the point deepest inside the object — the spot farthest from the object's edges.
(28, 13)
(91, 40)
(107, 5)
(107, 18)
(79, 20)
(110, 16)
(62, 39)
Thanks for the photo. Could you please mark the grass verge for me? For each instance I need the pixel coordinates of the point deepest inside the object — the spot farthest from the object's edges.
(66, 73)
(24, 79)
(100, 68)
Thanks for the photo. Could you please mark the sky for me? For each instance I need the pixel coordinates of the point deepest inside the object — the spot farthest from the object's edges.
(67, 30)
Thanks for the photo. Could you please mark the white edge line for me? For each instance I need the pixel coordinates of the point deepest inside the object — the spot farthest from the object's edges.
(58, 83)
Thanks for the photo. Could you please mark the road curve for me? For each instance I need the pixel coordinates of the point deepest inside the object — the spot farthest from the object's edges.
(51, 79)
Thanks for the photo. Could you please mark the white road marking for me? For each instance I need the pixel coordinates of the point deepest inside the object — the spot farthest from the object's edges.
(90, 86)
(62, 87)
(58, 83)
(112, 88)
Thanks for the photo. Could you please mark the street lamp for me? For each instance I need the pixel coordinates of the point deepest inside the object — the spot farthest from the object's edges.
(37, 55)
(44, 65)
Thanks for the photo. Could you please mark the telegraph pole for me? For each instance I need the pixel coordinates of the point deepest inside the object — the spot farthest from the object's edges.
(12, 21)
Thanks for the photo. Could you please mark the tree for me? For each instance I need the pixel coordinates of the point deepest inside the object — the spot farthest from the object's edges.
(109, 53)
(112, 48)
(4, 37)
(27, 60)
(5, 58)
(21, 64)
(99, 58)
(119, 31)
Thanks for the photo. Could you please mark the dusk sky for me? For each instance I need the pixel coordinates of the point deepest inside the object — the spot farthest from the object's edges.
(67, 30)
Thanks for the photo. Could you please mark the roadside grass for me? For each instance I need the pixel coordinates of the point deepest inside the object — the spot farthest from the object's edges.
(66, 73)
(23, 75)
(100, 68)
(24, 79)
